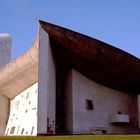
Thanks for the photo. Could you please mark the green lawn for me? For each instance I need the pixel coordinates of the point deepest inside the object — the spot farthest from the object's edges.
(75, 137)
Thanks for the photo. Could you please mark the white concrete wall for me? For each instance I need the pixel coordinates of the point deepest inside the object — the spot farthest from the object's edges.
(106, 102)
(5, 49)
(4, 112)
(23, 113)
(47, 86)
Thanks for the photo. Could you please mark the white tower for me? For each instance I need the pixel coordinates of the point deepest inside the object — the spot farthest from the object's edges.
(5, 49)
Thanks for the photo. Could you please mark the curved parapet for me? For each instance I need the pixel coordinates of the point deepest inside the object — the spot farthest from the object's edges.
(95, 59)
(20, 73)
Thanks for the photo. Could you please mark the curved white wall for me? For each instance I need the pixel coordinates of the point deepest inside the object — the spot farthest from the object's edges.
(105, 101)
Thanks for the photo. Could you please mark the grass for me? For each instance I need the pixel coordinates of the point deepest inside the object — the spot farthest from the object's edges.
(74, 137)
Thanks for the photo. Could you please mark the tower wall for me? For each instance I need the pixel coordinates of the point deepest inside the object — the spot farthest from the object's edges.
(5, 49)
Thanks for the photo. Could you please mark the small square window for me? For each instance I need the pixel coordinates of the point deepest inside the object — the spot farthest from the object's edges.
(12, 130)
(22, 131)
(27, 96)
(32, 130)
(26, 110)
(89, 104)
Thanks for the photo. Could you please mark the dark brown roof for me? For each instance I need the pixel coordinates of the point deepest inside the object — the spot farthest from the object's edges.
(99, 61)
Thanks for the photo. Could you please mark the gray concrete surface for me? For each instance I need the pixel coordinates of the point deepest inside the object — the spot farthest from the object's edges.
(106, 102)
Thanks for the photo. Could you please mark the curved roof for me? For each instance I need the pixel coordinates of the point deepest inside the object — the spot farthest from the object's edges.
(20, 73)
(99, 61)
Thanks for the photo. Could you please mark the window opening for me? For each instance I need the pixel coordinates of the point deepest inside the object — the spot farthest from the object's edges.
(89, 104)
(12, 130)
(32, 130)
(22, 131)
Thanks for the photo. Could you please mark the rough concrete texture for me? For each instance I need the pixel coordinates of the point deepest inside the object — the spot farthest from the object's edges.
(20, 73)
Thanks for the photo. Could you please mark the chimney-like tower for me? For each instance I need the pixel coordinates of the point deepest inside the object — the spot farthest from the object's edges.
(5, 49)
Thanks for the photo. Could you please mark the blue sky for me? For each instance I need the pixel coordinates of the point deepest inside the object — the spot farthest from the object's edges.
(116, 22)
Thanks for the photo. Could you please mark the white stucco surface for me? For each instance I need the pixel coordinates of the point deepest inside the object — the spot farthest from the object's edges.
(106, 102)
(46, 86)
(23, 113)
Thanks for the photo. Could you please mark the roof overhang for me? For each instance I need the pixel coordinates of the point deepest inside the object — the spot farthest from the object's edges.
(95, 59)
(20, 73)
(101, 62)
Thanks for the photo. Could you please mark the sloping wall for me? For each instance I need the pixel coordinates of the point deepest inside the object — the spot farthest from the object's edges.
(23, 113)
